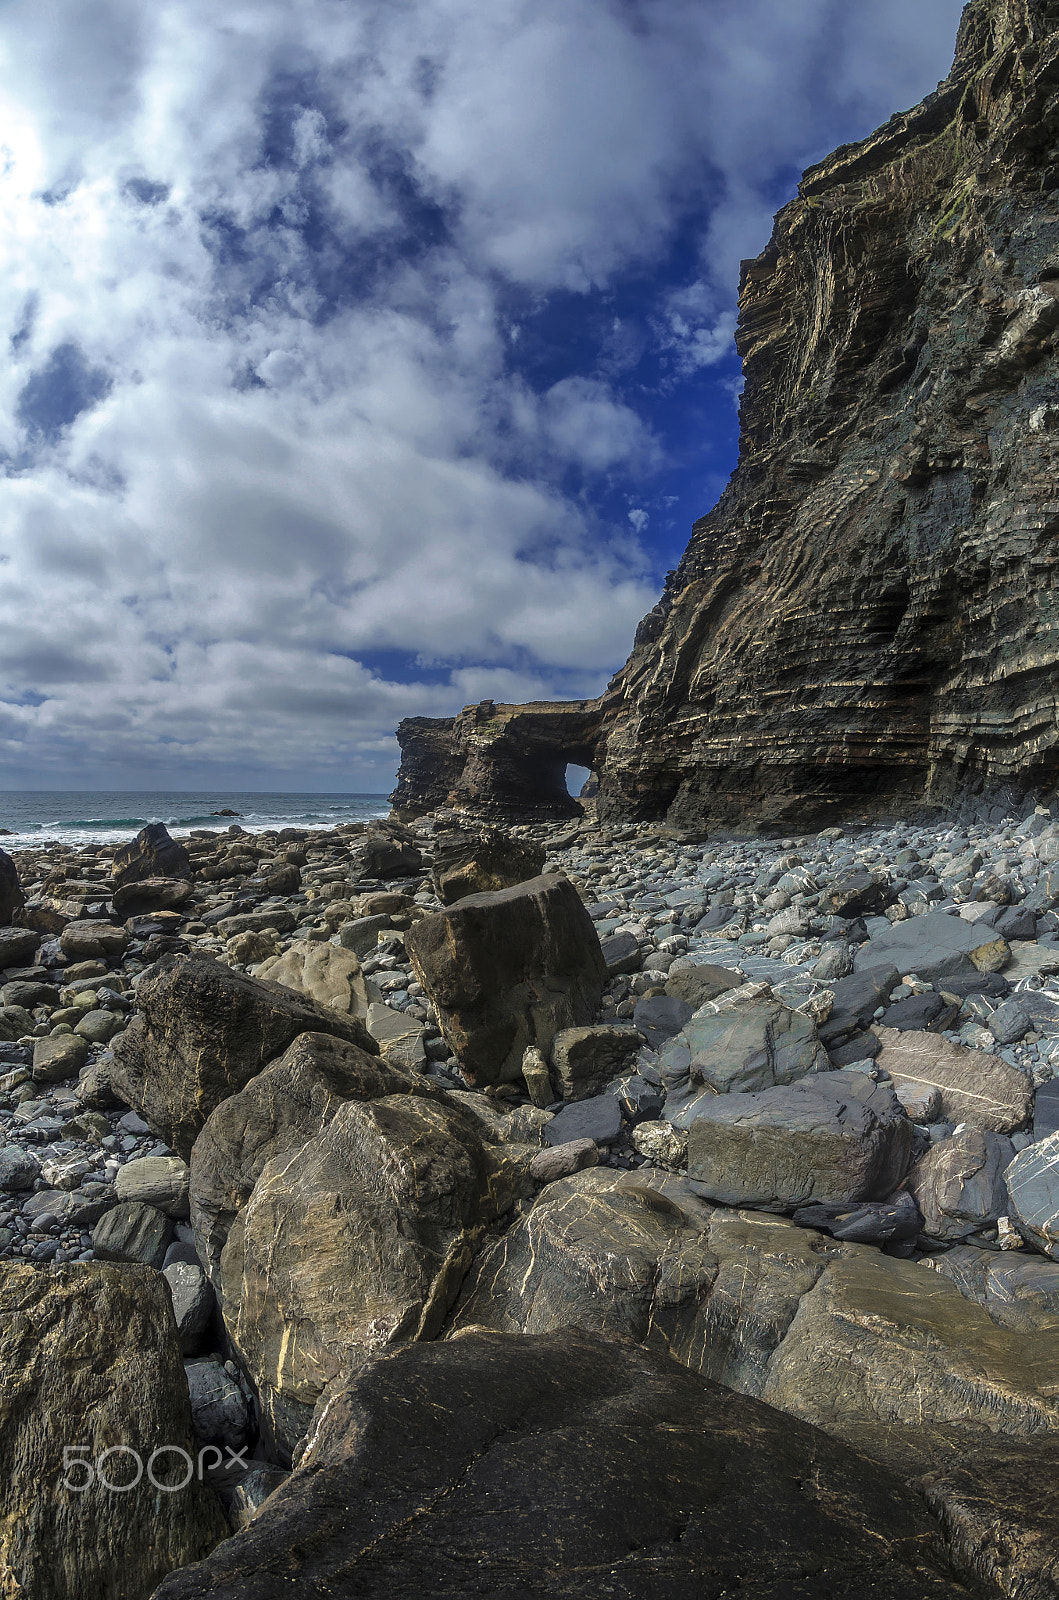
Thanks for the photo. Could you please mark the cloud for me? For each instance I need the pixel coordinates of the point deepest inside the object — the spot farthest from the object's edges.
(335, 332)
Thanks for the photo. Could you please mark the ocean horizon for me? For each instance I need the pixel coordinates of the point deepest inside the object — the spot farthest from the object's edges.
(110, 816)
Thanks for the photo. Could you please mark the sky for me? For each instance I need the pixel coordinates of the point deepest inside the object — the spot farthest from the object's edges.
(368, 358)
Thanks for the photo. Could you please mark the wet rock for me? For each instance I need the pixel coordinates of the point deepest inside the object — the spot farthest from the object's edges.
(508, 970)
(958, 1184)
(976, 1088)
(878, 1222)
(91, 1361)
(833, 1136)
(204, 1032)
(584, 1060)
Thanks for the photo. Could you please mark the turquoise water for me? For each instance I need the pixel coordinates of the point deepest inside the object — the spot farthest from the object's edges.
(74, 816)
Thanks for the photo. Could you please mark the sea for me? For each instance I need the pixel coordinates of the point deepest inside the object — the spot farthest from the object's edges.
(79, 816)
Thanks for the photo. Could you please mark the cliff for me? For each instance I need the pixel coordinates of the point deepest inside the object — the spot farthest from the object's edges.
(868, 616)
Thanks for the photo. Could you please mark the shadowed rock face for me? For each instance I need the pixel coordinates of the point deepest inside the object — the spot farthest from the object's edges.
(869, 614)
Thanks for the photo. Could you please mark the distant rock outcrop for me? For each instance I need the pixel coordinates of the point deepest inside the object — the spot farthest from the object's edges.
(869, 615)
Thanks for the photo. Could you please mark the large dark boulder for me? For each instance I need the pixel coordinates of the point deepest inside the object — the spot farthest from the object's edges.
(91, 1364)
(508, 970)
(11, 897)
(570, 1466)
(140, 898)
(482, 862)
(832, 1136)
(958, 1184)
(152, 854)
(204, 1031)
(747, 1047)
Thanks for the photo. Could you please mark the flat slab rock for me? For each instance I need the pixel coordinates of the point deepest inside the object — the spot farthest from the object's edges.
(974, 1086)
(569, 1466)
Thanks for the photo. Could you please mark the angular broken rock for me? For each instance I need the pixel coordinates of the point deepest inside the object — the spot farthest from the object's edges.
(152, 854)
(400, 1038)
(204, 1032)
(974, 1086)
(662, 1144)
(1032, 1182)
(93, 941)
(322, 972)
(508, 970)
(482, 862)
(494, 1468)
(537, 1078)
(11, 897)
(160, 1181)
(958, 1184)
(755, 1046)
(584, 1060)
(699, 984)
(834, 1136)
(92, 1374)
(278, 1111)
(933, 947)
(563, 1160)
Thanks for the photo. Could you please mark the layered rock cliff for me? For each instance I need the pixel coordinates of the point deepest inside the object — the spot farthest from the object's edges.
(869, 614)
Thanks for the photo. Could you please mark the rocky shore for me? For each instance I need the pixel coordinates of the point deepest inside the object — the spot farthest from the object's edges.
(315, 1119)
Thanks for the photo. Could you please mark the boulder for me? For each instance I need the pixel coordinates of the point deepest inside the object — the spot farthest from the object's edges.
(362, 934)
(1046, 1109)
(284, 880)
(376, 855)
(92, 1374)
(974, 1086)
(869, 1222)
(18, 946)
(19, 1170)
(508, 970)
(1017, 1288)
(857, 894)
(139, 899)
(598, 1118)
(160, 1181)
(401, 1039)
(152, 854)
(203, 1033)
(1032, 1182)
(277, 1111)
(193, 1303)
(584, 1060)
(323, 972)
(999, 1512)
(748, 1047)
(659, 1016)
(548, 1166)
(357, 1240)
(218, 1406)
(570, 1465)
(879, 1342)
(84, 941)
(921, 1012)
(699, 984)
(277, 919)
(621, 954)
(11, 897)
(855, 1000)
(832, 1136)
(933, 946)
(58, 1056)
(132, 1231)
(482, 862)
(958, 1184)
